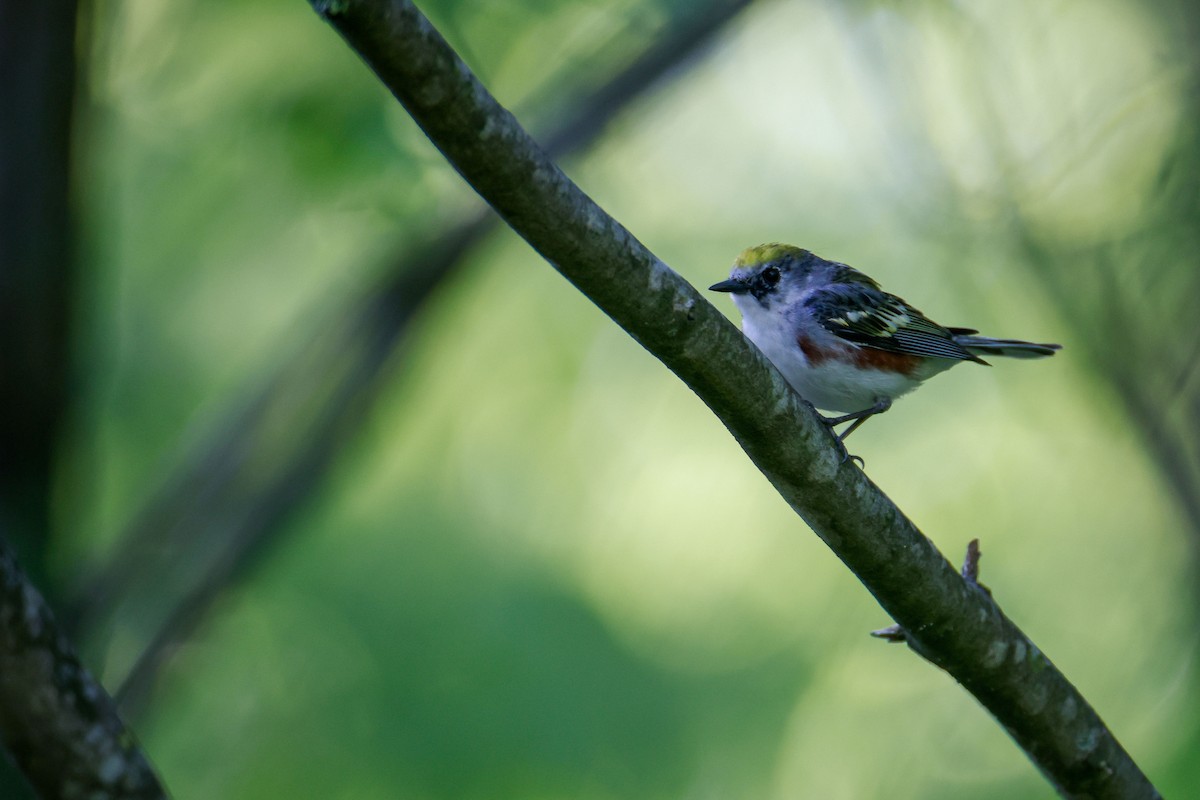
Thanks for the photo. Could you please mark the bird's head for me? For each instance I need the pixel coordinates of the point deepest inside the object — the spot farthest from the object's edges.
(772, 274)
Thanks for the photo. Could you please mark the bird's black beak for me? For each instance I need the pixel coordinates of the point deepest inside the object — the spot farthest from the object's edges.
(734, 285)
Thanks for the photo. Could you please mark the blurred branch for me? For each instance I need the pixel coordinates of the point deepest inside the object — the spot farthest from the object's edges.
(947, 619)
(1125, 355)
(1120, 322)
(37, 60)
(242, 486)
(58, 724)
(337, 401)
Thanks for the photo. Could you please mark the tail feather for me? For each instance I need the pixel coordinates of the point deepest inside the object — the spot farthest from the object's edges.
(1012, 348)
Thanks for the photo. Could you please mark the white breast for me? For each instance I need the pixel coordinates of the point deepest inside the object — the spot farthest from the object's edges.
(831, 385)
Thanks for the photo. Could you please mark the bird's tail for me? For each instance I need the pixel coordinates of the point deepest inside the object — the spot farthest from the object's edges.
(1013, 348)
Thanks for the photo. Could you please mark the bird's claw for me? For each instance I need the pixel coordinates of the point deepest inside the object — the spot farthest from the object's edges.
(856, 419)
(840, 439)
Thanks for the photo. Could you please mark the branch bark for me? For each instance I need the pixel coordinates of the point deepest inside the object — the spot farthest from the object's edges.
(949, 621)
(56, 721)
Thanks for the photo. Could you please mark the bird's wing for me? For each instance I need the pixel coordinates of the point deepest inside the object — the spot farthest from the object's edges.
(865, 315)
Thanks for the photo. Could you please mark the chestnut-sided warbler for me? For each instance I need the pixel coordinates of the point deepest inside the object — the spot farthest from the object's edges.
(842, 342)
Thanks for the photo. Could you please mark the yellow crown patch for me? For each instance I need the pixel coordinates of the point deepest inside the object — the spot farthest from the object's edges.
(766, 253)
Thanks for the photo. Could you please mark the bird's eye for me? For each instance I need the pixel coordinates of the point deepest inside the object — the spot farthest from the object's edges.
(771, 276)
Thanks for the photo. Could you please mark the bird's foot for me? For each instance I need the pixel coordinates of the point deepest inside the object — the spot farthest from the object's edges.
(856, 419)
(840, 439)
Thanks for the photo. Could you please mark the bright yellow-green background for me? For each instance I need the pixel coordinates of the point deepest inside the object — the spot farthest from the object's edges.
(540, 568)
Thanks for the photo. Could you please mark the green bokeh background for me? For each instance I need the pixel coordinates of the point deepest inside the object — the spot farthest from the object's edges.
(538, 567)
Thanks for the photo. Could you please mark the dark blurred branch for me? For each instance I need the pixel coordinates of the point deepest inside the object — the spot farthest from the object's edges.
(1123, 347)
(241, 488)
(1119, 323)
(57, 723)
(37, 60)
(339, 399)
(48, 704)
(1129, 297)
(950, 621)
(1129, 330)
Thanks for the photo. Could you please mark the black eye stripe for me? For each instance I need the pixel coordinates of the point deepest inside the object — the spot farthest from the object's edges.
(771, 276)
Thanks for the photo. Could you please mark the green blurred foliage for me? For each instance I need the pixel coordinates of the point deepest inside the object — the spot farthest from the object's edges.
(540, 568)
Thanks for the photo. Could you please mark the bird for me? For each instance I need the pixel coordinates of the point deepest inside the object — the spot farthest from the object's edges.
(843, 343)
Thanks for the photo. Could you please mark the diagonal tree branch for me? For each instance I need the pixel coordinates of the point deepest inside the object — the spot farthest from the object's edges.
(951, 622)
(56, 721)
